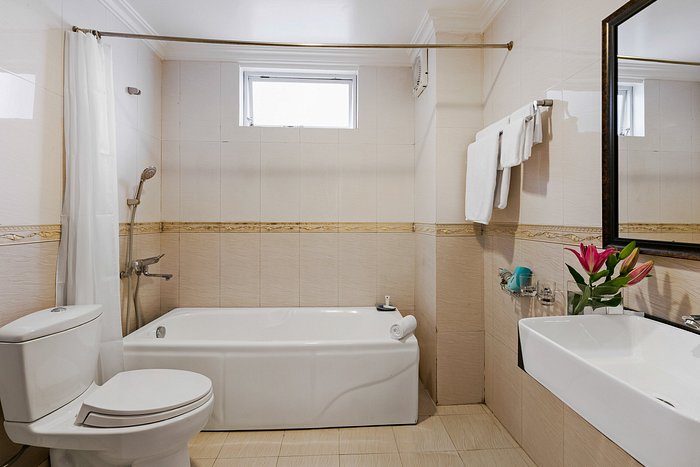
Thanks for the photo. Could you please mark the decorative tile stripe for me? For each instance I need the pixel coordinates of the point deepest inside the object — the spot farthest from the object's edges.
(288, 227)
(660, 228)
(546, 233)
(141, 228)
(448, 230)
(19, 234)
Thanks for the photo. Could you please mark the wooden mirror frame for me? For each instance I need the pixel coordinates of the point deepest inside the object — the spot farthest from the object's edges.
(611, 228)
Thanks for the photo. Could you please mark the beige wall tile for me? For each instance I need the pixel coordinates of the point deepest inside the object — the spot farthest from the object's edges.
(459, 284)
(280, 182)
(240, 181)
(460, 367)
(27, 279)
(240, 269)
(319, 269)
(146, 246)
(320, 172)
(170, 290)
(584, 445)
(477, 431)
(199, 269)
(504, 386)
(468, 409)
(279, 269)
(543, 424)
(395, 264)
(358, 269)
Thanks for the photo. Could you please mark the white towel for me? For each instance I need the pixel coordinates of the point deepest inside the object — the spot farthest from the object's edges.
(404, 327)
(502, 188)
(512, 142)
(482, 164)
(537, 133)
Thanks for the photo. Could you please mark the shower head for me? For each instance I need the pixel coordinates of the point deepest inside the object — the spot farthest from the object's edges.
(147, 173)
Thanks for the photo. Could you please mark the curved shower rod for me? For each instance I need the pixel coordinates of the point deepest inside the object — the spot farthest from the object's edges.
(199, 40)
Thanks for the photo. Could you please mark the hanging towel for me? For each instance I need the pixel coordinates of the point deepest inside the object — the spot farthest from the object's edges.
(502, 188)
(482, 164)
(518, 136)
(537, 136)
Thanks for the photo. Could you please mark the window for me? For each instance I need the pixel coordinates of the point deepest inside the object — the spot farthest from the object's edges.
(630, 108)
(300, 99)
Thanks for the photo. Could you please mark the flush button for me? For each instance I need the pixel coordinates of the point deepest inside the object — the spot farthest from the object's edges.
(58, 309)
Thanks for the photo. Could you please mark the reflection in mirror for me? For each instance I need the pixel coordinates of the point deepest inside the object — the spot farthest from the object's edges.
(658, 123)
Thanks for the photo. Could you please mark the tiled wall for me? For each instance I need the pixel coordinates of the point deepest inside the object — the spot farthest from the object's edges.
(555, 191)
(348, 184)
(663, 166)
(31, 178)
(448, 267)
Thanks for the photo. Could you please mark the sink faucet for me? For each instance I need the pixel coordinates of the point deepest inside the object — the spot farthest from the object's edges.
(692, 321)
(141, 267)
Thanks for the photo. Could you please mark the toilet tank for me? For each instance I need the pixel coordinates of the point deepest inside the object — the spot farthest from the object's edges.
(47, 359)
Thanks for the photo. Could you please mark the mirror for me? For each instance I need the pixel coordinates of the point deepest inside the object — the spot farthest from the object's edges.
(651, 120)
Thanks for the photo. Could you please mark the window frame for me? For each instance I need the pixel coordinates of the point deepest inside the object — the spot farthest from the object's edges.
(250, 76)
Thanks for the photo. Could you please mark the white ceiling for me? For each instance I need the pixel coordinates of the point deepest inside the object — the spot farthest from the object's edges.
(343, 21)
(666, 29)
(293, 20)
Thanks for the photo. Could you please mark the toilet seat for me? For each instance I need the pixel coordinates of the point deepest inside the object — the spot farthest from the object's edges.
(139, 397)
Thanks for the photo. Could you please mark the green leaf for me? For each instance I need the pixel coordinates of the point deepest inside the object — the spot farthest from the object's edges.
(611, 262)
(604, 290)
(574, 298)
(617, 282)
(599, 275)
(577, 277)
(583, 301)
(626, 251)
(605, 303)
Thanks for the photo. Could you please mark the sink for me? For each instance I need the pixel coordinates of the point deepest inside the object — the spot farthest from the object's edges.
(635, 379)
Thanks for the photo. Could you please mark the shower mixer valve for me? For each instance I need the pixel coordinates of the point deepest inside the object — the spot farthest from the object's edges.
(140, 266)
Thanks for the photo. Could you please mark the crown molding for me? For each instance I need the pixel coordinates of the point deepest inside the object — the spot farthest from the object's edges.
(662, 71)
(488, 12)
(134, 22)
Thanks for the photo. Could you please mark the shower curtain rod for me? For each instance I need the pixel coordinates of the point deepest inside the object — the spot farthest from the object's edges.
(199, 40)
(657, 60)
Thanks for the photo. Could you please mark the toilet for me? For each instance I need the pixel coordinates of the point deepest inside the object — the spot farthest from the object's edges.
(140, 418)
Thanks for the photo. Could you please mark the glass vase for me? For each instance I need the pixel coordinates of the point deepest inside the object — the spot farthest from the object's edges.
(599, 305)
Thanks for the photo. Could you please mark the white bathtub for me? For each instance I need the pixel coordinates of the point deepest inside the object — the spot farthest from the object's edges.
(275, 368)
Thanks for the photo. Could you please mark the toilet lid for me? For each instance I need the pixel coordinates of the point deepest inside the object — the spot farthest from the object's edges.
(138, 397)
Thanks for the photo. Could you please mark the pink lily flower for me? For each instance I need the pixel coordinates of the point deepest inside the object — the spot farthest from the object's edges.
(590, 258)
(640, 272)
(630, 262)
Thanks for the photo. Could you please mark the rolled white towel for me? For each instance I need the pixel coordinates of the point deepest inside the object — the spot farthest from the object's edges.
(404, 327)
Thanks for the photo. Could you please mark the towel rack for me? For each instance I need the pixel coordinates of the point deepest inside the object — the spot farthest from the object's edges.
(545, 103)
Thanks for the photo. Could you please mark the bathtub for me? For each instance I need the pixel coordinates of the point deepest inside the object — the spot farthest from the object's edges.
(276, 368)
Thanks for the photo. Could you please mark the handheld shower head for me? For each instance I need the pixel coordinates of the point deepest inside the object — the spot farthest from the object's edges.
(148, 173)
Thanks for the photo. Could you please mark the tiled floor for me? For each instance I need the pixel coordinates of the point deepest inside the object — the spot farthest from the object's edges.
(450, 436)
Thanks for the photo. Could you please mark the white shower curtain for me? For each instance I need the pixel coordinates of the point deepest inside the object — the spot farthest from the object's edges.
(88, 261)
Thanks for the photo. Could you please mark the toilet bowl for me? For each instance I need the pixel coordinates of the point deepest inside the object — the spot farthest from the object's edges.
(140, 418)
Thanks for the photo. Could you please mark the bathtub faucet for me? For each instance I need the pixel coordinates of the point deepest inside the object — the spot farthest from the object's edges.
(140, 266)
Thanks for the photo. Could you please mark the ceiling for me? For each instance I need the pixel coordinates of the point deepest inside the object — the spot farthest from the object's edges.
(344, 21)
(666, 29)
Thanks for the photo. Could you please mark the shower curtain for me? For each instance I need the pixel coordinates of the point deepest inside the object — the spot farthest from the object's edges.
(88, 260)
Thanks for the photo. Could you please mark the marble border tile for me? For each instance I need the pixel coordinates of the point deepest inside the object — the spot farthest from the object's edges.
(23, 234)
(448, 230)
(659, 228)
(546, 233)
(141, 228)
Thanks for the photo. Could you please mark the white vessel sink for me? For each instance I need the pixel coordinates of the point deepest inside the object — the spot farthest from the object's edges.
(634, 379)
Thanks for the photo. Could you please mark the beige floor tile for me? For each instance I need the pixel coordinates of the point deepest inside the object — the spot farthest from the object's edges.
(247, 462)
(496, 458)
(207, 444)
(460, 409)
(431, 459)
(252, 444)
(426, 406)
(477, 431)
(370, 460)
(428, 435)
(310, 442)
(202, 462)
(367, 440)
(309, 461)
